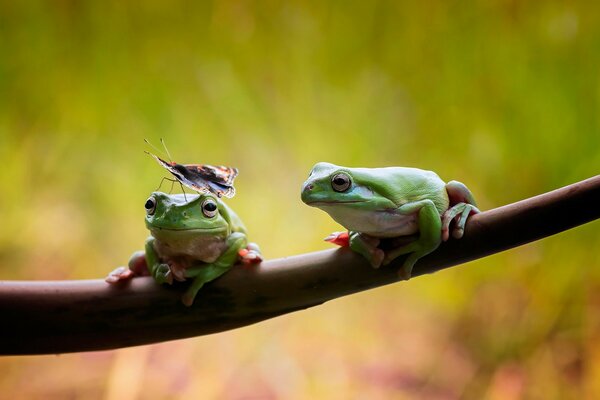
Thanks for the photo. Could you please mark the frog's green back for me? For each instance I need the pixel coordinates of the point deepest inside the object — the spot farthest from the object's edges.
(403, 185)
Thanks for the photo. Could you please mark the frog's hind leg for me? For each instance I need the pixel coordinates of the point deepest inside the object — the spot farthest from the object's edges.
(462, 205)
(201, 275)
(204, 273)
(429, 236)
(366, 246)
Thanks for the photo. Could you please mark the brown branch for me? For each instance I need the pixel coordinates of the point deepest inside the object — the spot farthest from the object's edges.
(69, 316)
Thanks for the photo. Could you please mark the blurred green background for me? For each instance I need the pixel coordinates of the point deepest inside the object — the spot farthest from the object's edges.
(501, 95)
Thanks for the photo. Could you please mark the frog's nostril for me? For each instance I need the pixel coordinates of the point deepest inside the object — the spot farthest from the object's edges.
(309, 187)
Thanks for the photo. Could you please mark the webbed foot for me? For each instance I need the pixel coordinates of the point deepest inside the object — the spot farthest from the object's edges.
(415, 251)
(367, 246)
(137, 267)
(163, 274)
(462, 205)
(340, 238)
(250, 254)
(459, 213)
(119, 274)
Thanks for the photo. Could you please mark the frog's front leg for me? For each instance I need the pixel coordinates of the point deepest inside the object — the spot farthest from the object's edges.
(159, 271)
(462, 205)
(430, 223)
(366, 246)
(207, 272)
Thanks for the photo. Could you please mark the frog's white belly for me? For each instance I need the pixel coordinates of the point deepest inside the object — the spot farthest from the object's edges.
(383, 224)
(205, 248)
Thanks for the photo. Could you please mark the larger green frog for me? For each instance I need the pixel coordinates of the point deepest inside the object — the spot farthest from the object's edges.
(194, 237)
(394, 202)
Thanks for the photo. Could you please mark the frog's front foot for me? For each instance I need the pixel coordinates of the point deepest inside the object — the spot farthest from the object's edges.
(119, 274)
(178, 271)
(367, 246)
(250, 254)
(459, 213)
(137, 267)
(163, 274)
(340, 238)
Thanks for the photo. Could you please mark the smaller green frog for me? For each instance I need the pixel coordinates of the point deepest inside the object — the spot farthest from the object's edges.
(410, 207)
(194, 237)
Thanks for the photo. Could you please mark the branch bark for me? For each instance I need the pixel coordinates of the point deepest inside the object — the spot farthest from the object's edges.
(47, 317)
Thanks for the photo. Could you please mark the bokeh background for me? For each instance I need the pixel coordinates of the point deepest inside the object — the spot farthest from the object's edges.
(502, 95)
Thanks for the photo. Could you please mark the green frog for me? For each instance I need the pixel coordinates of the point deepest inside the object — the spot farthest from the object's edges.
(195, 237)
(413, 206)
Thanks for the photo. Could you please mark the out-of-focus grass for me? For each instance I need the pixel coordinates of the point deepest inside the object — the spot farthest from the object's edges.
(503, 96)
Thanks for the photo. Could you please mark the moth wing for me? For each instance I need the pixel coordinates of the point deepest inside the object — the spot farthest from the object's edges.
(167, 165)
(220, 190)
(221, 175)
(198, 184)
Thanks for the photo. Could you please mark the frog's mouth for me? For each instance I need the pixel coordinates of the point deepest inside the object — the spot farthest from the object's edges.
(187, 231)
(332, 202)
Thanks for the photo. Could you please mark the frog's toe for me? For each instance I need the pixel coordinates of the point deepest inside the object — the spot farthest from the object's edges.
(163, 274)
(370, 241)
(339, 238)
(249, 256)
(187, 299)
(137, 263)
(253, 246)
(445, 233)
(119, 274)
(178, 274)
(377, 257)
(404, 274)
(458, 233)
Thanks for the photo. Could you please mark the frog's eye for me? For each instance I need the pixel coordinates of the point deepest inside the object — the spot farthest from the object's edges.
(209, 208)
(340, 182)
(150, 206)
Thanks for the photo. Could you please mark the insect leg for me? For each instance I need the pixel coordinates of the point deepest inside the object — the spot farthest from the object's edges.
(166, 179)
(180, 184)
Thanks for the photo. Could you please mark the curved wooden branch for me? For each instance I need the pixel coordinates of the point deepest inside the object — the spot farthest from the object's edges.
(69, 316)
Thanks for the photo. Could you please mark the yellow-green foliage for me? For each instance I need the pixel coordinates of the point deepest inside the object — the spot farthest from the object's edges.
(501, 95)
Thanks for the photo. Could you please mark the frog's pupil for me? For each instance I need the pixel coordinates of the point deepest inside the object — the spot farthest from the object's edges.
(210, 206)
(149, 204)
(339, 181)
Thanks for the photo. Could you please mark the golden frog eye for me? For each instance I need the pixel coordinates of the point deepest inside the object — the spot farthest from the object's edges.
(150, 206)
(209, 208)
(340, 182)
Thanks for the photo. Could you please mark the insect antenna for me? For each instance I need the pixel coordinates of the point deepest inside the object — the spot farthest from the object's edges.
(166, 150)
(157, 149)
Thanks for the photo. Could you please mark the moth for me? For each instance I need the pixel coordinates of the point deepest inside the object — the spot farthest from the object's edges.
(201, 178)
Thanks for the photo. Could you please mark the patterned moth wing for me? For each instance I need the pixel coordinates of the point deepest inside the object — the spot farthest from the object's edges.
(201, 177)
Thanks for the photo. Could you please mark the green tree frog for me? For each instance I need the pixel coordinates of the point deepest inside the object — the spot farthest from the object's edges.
(375, 204)
(194, 237)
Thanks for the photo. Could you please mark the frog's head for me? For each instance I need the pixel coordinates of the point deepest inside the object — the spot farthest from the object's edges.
(332, 185)
(351, 196)
(174, 215)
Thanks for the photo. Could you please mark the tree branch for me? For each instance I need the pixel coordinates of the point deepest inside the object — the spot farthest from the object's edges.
(68, 316)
